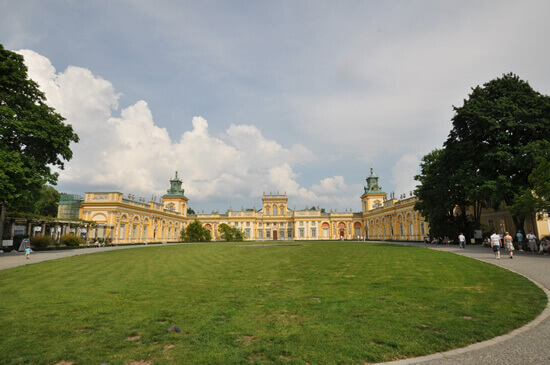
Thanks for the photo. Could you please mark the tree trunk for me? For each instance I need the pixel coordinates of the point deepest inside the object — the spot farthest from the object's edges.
(520, 224)
(3, 206)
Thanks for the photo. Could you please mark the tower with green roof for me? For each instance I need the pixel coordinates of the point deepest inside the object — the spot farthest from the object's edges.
(374, 196)
(174, 200)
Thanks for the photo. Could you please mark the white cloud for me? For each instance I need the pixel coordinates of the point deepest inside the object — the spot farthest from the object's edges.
(403, 173)
(132, 154)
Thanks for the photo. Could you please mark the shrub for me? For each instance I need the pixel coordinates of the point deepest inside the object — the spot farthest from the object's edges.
(42, 241)
(230, 234)
(71, 240)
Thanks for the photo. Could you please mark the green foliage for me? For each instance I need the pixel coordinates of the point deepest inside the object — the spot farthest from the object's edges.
(489, 154)
(195, 232)
(42, 241)
(534, 199)
(540, 178)
(71, 239)
(48, 201)
(190, 211)
(230, 234)
(34, 137)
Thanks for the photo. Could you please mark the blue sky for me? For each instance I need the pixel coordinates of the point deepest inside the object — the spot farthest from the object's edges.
(246, 97)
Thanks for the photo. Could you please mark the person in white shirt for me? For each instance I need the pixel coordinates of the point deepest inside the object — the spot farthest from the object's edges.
(495, 244)
(461, 241)
(532, 240)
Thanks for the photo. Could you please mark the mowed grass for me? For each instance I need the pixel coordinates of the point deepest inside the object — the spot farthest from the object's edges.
(321, 303)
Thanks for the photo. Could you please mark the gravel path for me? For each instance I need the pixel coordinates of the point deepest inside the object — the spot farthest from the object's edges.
(529, 344)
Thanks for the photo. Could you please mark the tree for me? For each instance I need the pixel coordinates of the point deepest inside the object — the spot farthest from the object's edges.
(536, 198)
(499, 131)
(540, 178)
(33, 137)
(190, 211)
(490, 152)
(48, 202)
(195, 232)
(230, 234)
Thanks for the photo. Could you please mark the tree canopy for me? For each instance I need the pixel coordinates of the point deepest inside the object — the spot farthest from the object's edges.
(230, 234)
(195, 232)
(33, 137)
(491, 150)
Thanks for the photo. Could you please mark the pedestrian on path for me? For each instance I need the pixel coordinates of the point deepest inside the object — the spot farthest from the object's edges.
(519, 236)
(532, 240)
(509, 245)
(27, 249)
(461, 240)
(495, 244)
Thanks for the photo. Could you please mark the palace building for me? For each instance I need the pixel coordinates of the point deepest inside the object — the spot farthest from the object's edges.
(124, 220)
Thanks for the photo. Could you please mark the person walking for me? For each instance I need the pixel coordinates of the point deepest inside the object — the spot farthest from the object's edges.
(461, 240)
(495, 244)
(532, 240)
(519, 236)
(509, 245)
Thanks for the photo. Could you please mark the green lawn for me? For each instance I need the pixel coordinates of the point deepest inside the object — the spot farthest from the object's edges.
(321, 303)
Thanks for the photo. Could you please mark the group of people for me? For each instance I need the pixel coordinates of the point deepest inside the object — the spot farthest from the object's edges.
(438, 240)
(497, 241)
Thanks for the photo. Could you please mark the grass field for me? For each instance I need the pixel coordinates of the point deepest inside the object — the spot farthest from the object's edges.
(321, 303)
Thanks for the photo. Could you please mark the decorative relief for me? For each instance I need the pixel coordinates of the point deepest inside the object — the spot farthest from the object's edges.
(101, 196)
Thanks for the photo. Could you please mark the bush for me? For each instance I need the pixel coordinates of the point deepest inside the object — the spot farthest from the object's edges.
(42, 241)
(71, 240)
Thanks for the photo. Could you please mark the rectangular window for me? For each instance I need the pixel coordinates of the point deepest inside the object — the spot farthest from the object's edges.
(491, 224)
(248, 224)
(282, 211)
(313, 232)
(260, 233)
(289, 233)
(357, 231)
(267, 212)
(301, 224)
(325, 232)
(247, 233)
(267, 233)
(302, 233)
(275, 211)
(422, 229)
(122, 233)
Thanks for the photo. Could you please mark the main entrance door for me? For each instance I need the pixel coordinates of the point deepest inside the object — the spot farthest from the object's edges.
(274, 235)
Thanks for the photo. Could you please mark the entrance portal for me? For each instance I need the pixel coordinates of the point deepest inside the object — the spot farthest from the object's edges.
(274, 235)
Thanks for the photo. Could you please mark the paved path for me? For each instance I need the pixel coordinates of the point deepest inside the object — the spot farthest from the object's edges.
(529, 344)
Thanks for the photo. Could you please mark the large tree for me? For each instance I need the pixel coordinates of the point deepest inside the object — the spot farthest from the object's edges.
(33, 137)
(497, 134)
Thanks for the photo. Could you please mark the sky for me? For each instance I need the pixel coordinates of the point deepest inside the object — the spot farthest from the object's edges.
(243, 98)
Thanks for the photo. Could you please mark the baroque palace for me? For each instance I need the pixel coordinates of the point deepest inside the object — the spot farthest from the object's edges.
(122, 220)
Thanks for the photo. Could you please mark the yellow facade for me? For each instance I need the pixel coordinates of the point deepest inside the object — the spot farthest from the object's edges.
(501, 221)
(124, 220)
